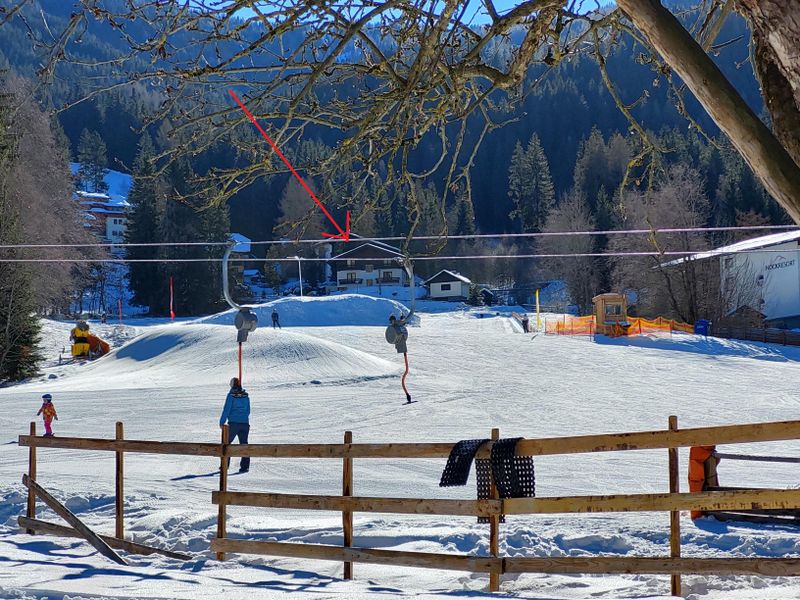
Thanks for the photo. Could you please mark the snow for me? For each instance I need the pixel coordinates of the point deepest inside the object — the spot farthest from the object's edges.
(330, 370)
(119, 185)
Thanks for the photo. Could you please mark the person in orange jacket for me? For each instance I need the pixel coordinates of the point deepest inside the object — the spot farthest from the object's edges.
(703, 461)
(48, 412)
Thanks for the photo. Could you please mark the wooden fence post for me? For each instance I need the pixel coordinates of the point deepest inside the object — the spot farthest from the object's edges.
(347, 516)
(494, 531)
(31, 510)
(223, 486)
(119, 503)
(675, 515)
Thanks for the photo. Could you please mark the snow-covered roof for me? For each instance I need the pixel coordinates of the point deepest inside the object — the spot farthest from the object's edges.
(448, 276)
(378, 250)
(119, 184)
(94, 195)
(111, 210)
(763, 241)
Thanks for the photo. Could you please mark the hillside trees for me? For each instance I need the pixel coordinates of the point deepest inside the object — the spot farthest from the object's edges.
(93, 162)
(162, 213)
(530, 186)
(580, 273)
(425, 81)
(667, 283)
(146, 199)
(19, 326)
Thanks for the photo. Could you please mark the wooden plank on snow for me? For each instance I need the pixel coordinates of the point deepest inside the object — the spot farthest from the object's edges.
(70, 518)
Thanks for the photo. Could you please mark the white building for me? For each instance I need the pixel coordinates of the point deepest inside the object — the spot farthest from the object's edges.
(447, 285)
(368, 265)
(763, 274)
(105, 215)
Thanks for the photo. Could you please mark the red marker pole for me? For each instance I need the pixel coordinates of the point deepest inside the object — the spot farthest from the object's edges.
(171, 311)
(240, 364)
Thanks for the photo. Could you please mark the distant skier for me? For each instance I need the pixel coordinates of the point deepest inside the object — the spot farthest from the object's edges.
(236, 413)
(526, 324)
(397, 334)
(275, 317)
(48, 412)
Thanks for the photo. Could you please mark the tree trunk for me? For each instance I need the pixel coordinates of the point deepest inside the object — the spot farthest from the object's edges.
(768, 159)
(776, 36)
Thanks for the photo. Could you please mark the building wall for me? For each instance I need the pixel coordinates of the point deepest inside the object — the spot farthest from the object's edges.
(768, 282)
(362, 277)
(116, 226)
(449, 289)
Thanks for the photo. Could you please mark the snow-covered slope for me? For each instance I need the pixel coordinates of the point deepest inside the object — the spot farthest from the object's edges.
(162, 355)
(345, 309)
(469, 375)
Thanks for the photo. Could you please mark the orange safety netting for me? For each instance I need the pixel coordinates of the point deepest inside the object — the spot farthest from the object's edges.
(568, 325)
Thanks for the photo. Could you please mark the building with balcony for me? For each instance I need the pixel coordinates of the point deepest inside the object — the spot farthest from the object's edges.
(106, 216)
(368, 265)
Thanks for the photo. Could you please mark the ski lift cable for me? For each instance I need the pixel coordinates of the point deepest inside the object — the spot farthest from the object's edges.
(672, 253)
(479, 236)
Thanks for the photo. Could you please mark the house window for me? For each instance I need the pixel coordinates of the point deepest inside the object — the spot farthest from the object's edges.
(387, 261)
(351, 277)
(369, 268)
(729, 262)
(387, 274)
(613, 309)
(445, 287)
(350, 262)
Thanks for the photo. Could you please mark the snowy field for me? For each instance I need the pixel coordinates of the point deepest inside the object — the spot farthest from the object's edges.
(330, 370)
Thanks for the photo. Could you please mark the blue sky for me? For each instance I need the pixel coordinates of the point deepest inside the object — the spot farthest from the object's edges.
(476, 11)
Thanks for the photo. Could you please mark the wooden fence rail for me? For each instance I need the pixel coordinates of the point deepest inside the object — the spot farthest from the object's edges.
(493, 565)
(611, 442)
(767, 335)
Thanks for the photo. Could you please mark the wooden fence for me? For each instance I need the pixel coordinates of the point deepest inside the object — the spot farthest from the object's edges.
(494, 564)
(757, 334)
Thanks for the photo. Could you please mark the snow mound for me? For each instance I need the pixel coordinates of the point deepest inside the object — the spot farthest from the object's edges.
(347, 309)
(165, 355)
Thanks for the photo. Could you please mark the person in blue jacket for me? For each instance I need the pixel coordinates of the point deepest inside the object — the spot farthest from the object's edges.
(236, 413)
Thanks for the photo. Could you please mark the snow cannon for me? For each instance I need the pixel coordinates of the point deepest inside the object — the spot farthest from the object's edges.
(79, 336)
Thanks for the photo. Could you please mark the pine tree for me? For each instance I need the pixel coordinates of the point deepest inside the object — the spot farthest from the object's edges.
(143, 225)
(19, 327)
(93, 160)
(530, 185)
(464, 216)
(475, 297)
(197, 285)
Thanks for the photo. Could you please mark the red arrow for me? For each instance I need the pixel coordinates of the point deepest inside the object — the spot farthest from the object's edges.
(342, 235)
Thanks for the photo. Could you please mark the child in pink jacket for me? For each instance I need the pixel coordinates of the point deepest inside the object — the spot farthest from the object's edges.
(48, 412)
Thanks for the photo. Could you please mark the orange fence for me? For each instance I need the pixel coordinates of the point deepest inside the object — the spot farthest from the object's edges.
(568, 325)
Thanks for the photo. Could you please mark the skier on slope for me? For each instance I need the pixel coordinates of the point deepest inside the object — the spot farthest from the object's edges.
(236, 413)
(48, 412)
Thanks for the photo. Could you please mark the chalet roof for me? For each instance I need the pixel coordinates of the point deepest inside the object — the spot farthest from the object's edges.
(444, 275)
(369, 250)
(757, 243)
